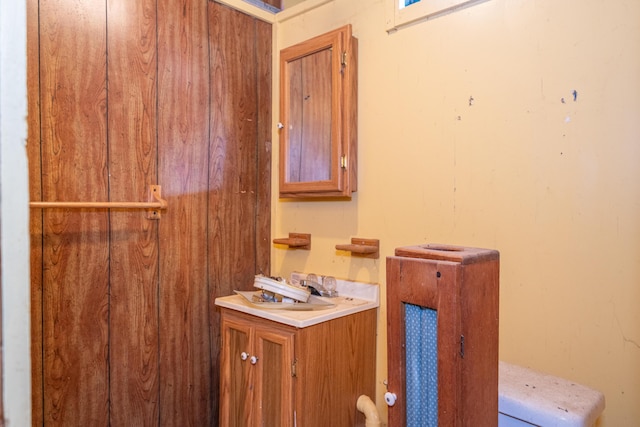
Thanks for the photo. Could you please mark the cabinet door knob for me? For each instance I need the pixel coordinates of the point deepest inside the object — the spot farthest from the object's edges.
(244, 355)
(253, 360)
(390, 398)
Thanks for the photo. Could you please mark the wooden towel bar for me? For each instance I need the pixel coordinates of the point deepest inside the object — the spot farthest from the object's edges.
(157, 204)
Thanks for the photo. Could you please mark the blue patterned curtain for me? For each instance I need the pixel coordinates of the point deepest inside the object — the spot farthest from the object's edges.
(421, 341)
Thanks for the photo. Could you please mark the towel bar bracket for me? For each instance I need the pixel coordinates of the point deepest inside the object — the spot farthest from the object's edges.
(156, 195)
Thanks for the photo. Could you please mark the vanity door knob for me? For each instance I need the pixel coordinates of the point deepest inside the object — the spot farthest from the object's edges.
(244, 355)
(253, 360)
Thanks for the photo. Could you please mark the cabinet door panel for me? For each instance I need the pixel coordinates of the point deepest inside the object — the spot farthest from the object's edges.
(318, 84)
(236, 388)
(274, 395)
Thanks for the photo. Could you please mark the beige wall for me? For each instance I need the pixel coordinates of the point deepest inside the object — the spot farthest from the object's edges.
(290, 3)
(554, 186)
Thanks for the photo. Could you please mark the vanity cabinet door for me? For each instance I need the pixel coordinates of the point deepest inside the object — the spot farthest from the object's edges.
(256, 383)
(236, 392)
(274, 377)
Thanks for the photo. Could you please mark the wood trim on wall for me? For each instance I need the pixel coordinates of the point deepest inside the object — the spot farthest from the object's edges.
(35, 219)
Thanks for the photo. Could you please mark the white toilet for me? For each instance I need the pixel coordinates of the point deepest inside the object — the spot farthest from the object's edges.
(531, 398)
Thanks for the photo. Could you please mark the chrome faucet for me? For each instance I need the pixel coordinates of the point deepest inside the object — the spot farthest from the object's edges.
(318, 289)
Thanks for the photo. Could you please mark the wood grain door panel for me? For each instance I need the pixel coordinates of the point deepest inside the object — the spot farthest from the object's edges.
(133, 239)
(183, 139)
(75, 244)
(124, 94)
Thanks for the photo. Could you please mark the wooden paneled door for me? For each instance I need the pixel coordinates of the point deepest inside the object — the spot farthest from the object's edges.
(124, 94)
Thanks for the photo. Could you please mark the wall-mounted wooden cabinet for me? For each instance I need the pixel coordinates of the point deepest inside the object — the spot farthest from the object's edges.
(273, 374)
(318, 117)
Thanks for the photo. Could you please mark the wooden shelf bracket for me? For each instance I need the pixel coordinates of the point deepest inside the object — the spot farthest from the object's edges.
(365, 248)
(154, 206)
(295, 241)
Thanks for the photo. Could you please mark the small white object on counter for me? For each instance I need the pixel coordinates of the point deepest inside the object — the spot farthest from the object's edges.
(353, 297)
(282, 288)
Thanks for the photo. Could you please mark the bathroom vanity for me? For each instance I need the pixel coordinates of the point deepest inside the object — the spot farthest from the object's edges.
(297, 367)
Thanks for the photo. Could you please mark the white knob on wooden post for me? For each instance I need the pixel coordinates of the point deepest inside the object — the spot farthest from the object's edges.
(390, 398)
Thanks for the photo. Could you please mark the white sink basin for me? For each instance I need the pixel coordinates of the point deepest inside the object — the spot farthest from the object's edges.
(354, 297)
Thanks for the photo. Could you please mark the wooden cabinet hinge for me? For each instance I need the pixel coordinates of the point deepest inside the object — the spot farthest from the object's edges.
(293, 368)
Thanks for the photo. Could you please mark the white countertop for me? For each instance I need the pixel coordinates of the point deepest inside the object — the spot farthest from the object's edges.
(353, 298)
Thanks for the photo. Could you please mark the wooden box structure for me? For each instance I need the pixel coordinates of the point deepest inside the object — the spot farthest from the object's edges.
(459, 287)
